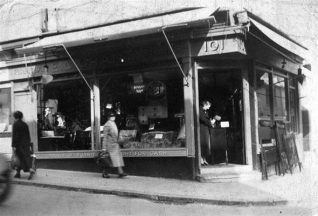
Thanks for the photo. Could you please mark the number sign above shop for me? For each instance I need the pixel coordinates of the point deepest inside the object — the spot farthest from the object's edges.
(220, 46)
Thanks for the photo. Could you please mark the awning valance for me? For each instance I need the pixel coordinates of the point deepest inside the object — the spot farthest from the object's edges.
(123, 30)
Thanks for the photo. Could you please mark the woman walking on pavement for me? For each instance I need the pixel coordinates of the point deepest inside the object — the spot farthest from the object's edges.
(110, 144)
(21, 145)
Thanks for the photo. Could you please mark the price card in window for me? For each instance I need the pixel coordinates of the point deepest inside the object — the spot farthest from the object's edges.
(158, 136)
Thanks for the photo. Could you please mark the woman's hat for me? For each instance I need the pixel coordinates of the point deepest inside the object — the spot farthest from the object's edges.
(111, 114)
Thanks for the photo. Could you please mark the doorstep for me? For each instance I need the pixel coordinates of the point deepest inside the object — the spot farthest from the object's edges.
(228, 173)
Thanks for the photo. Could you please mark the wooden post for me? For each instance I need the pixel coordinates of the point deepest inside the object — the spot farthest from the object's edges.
(255, 123)
(92, 120)
(196, 120)
(188, 91)
(96, 115)
(188, 106)
(247, 117)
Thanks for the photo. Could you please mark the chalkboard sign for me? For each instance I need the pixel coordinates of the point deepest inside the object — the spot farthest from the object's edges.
(291, 151)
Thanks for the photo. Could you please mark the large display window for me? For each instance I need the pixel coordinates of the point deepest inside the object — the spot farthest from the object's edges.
(64, 116)
(149, 108)
(263, 95)
(277, 101)
(279, 97)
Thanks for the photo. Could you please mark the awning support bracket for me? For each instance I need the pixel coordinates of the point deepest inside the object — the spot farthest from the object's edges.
(73, 61)
(175, 57)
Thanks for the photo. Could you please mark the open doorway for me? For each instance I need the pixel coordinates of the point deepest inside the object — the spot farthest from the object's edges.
(223, 89)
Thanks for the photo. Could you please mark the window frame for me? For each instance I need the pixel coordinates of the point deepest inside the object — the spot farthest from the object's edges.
(288, 80)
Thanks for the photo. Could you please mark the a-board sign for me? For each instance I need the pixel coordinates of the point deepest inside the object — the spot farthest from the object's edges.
(291, 151)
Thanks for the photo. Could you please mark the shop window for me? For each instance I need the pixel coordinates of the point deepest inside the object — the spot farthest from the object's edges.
(5, 110)
(263, 95)
(64, 116)
(277, 101)
(148, 107)
(279, 97)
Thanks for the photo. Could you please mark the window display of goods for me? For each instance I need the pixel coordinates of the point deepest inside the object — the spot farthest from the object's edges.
(159, 139)
(155, 139)
(132, 145)
(127, 136)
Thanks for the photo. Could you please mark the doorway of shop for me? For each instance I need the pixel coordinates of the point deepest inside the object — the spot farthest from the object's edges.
(222, 143)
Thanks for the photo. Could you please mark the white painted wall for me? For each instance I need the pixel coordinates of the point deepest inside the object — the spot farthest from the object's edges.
(5, 146)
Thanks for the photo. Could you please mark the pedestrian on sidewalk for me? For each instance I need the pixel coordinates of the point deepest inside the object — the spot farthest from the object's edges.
(21, 145)
(110, 144)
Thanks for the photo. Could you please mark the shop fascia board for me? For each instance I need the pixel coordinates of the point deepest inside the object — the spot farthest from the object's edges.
(131, 29)
(11, 45)
(20, 61)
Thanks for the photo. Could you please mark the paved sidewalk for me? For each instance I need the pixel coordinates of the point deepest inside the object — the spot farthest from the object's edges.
(301, 188)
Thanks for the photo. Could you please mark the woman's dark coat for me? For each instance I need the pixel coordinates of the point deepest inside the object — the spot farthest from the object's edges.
(22, 142)
(205, 125)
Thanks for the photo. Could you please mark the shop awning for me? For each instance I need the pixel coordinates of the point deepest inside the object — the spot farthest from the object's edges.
(279, 37)
(17, 44)
(124, 30)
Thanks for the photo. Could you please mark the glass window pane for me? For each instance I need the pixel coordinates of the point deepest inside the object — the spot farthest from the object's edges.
(64, 116)
(263, 96)
(279, 94)
(148, 107)
(5, 109)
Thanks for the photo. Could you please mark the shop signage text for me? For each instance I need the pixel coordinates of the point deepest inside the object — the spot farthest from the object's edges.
(144, 153)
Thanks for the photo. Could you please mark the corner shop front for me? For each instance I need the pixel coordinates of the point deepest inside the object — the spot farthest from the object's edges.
(135, 72)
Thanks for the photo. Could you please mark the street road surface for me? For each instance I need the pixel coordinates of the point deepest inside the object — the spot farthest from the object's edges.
(39, 201)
